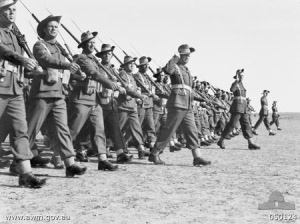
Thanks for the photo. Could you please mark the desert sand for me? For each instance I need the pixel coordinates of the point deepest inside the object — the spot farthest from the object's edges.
(228, 191)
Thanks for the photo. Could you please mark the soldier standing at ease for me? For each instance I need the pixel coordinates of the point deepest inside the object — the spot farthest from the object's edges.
(47, 95)
(238, 110)
(180, 111)
(263, 114)
(275, 116)
(12, 107)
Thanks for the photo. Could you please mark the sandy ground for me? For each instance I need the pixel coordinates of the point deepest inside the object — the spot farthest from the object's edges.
(228, 191)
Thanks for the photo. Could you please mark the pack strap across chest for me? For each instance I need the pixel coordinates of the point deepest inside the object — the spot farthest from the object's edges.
(53, 74)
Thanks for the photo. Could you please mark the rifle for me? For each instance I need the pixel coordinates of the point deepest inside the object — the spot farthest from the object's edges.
(62, 50)
(22, 41)
(152, 81)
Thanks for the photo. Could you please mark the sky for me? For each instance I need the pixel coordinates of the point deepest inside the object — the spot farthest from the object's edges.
(261, 36)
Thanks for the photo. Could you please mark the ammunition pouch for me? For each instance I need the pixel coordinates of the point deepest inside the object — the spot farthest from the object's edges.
(89, 87)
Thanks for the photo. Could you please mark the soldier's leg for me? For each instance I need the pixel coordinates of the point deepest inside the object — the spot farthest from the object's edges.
(37, 113)
(77, 119)
(149, 126)
(247, 131)
(174, 118)
(258, 122)
(14, 110)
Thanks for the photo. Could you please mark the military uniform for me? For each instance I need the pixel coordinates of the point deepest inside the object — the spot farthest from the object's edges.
(85, 102)
(12, 107)
(145, 109)
(127, 108)
(275, 116)
(179, 105)
(263, 114)
(238, 110)
(46, 97)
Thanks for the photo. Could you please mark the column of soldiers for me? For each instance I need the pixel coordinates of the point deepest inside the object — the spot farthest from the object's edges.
(85, 98)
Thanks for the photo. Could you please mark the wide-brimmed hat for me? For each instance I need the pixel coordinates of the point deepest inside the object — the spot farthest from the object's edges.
(144, 60)
(158, 72)
(4, 3)
(265, 91)
(128, 59)
(86, 36)
(239, 71)
(185, 49)
(105, 48)
(43, 24)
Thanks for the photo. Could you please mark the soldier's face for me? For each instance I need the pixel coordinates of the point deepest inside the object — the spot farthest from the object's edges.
(144, 68)
(185, 58)
(51, 30)
(90, 46)
(129, 67)
(9, 13)
(106, 57)
(241, 76)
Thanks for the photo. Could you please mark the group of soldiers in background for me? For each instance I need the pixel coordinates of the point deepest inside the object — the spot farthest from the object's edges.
(85, 107)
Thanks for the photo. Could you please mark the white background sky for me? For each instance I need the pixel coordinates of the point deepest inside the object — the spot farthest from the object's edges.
(261, 36)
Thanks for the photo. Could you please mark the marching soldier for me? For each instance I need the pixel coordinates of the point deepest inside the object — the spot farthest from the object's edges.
(263, 114)
(85, 101)
(47, 95)
(180, 109)
(12, 109)
(275, 116)
(127, 106)
(238, 112)
(145, 108)
(110, 107)
(250, 109)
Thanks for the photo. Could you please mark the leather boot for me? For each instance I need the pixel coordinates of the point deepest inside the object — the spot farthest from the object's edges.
(82, 157)
(221, 144)
(106, 165)
(123, 158)
(14, 168)
(39, 161)
(156, 160)
(75, 169)
(199, 161)
(174, 148)
(252, 146)
(31, 181)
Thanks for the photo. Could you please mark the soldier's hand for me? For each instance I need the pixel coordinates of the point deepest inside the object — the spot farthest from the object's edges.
(29, 63)
(122, 90)
(155, 98)
(74, 68)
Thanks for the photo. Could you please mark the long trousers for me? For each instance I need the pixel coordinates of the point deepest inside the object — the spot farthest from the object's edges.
(245, 125)
(13, 121)
(176, 117)
(38, 111)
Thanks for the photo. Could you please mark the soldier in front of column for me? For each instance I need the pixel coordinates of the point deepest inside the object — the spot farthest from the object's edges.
(47, 95)
(109, 106)
(145, 108)
(12, 107)
(238, 112)
(263, 114)
(275, 116)
(180, 110)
